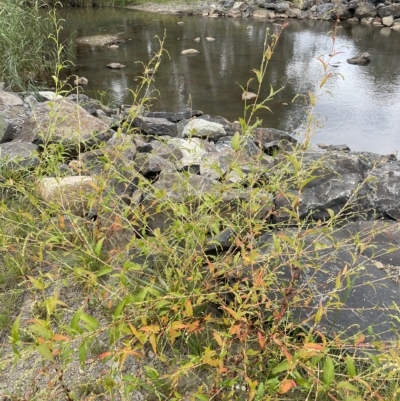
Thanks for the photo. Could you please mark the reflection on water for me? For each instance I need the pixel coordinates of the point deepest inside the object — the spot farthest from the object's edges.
(362, 109)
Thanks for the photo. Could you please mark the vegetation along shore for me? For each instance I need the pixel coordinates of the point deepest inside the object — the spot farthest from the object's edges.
(180, 256)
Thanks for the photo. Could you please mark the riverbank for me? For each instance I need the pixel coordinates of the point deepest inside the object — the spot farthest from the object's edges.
(387, 14)
(145, 254)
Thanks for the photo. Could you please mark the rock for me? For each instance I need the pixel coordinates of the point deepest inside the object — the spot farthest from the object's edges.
(230, 128)
(197, 39)
(203, 129)
(190, 51)
(180, 23)
(387, 21)
(228, 164)
(249, 96)
(324, 11)
(17, 156)
(365, 10)
(261, 14)
(70, 193)
(113, 47)
(97, 40)
(175, 117)
(396, 25)
(353, 20)
(116, 66)
(282, 7)
(48, 95)
(9, 99)
(209, 39)
(293, 13)
(65, 122)
(360, 59)
(155, 126)
(339, 148)
(392, 10)
(147, 163)
(81, 81)
(337, 177)
(193, 150)
(6, 130)
(341, 11)
(385, 31)
(270, 139)
(382, 191)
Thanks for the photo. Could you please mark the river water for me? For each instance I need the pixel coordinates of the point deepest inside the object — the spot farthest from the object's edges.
(359, 106)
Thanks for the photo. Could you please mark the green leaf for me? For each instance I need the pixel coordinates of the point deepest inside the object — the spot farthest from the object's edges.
(40, 329)
(261, 391)
(282, 367)
(74, 325)
(374, 359)
(91, 323)
(202, 397)
(15, 329)
(351, 367)
(331, 213)
(99, 246)
(105, 270)
(151, 373)
(82, 350)
(44, 350)
(347, 386)
(329, 371)
(236, 141)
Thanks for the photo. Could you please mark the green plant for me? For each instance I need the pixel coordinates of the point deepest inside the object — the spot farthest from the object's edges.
(190, 290)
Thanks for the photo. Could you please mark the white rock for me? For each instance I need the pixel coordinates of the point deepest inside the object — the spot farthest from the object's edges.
(203, 129)
(210, 39)
(192, 151)
(113, 47)
(387, 21)
(116, 65)
(81, 81)
(48, 95)
(197, 40)
(190, 51)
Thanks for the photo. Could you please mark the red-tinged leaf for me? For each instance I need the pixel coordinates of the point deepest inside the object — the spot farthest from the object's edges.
(104, 355)
(60, 337)
(261, 340)
(286, 385)
(360, 339)
(313, 346)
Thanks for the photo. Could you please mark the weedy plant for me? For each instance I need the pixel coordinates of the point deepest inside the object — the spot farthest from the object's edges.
(186, 286)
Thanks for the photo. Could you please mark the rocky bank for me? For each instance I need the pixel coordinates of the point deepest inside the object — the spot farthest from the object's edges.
(368, 12)
(189, 155)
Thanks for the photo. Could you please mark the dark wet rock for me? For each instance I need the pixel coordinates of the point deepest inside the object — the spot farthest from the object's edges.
(271, 139)
(155, 126)
(392, 10)
(360, 59)
(227, 3)
(324, 11)
(342, 148)
(57, 121)
(6, 130)
(363, 296)
(18, 155)
(175, 117)
(336, 180)
(382, 191)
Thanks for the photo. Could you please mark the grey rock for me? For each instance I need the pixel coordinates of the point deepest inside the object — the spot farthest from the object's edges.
(202, 128)
(66, 122)
(147, 163)
(365, 10)
(18, 155)
(270, 139)
(324, 11)
(282, 7)
(294, 13)
(392, 10)
(337, 176)
(155, 126)
(360, 59)
(6, 130)
(193, 150)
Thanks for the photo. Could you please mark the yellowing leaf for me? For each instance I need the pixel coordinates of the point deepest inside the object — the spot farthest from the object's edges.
(218, 338)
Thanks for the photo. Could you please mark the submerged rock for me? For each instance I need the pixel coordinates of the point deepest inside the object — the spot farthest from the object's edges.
(360, 59)
(116, 65)
(190, 51)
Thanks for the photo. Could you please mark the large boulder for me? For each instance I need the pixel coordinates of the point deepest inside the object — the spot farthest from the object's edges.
(335, 180)
(392, 10)
(6, 130)
(365, 10)
(66, 122)
(324, 11)
(360, 59)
